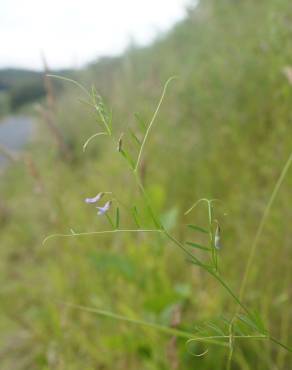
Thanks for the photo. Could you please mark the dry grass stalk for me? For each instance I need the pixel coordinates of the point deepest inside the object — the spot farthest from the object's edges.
(48, 114)
(9, 154)
(172, 350)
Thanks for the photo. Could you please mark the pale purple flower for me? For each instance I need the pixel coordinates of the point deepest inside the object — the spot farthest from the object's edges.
(94, 199)
(105, 208)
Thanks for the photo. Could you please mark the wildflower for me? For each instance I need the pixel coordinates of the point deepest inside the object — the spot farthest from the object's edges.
(217, 239)
(94, 199)
(105, 208)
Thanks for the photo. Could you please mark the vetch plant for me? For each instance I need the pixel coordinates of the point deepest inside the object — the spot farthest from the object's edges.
(245, 324)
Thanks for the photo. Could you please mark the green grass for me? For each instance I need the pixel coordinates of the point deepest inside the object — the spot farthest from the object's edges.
(223, 131)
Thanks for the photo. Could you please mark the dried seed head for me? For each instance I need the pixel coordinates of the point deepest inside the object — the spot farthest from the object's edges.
(120, 142)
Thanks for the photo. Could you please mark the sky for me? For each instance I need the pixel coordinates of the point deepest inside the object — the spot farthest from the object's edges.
(71, 33)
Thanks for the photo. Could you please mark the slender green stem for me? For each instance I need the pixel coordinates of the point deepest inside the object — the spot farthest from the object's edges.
(255, 244)
(229, 290)
(231, 345)
(72, 81)
(260, 337)
(182, 247)
(147, 200)
(110, 220)
(214, 339)
(275, 340)
(164, 329)
(103, 121)
(91, 137)
(151, 122)
(229, 358)
(73, 234)
(212, 246)
(262, 224)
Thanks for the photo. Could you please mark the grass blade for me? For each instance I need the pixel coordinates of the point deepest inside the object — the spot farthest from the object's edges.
(141, 122)
(134, 136)
(198, 228)
(135, 216)
(127, 158)
(199, 246)
(117, 218)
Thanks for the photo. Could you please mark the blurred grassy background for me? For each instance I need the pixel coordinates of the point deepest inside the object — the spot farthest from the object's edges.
(225, 132)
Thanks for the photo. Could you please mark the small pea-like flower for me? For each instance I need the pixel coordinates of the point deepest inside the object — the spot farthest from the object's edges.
(217, 238)
(94, 199)
(105, 208)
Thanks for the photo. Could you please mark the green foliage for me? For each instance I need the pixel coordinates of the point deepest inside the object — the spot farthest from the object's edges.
(224, 131)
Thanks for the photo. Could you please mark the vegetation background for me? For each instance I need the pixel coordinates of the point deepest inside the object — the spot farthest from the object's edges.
(224, 131)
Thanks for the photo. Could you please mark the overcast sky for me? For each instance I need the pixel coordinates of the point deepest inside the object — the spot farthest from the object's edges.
(73, 32)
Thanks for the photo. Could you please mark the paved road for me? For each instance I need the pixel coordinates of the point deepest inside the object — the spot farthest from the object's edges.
(15, 132)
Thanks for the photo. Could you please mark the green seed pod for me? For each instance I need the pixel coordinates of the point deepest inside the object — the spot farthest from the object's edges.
(217, 238)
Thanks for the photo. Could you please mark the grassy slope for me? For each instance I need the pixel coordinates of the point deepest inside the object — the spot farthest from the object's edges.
(226, 126)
